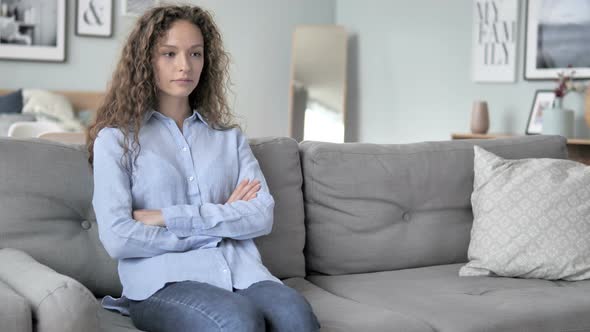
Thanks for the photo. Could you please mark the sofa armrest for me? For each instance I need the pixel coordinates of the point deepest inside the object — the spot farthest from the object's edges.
(15, 313)
(57, 302)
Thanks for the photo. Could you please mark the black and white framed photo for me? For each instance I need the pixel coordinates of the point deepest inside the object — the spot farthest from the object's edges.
(557, 36)
(137, 7)
(543, 100)
(33, 30)
(94, 18)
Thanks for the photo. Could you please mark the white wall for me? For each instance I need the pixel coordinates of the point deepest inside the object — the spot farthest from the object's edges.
(257, 34)
(412, 61)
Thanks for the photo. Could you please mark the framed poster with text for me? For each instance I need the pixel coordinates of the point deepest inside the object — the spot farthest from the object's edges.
(494, 40)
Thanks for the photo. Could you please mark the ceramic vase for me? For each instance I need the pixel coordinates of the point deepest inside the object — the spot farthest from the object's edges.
(557, 121)
(480, 119)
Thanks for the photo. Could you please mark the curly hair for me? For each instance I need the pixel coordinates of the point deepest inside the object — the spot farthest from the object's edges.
(133, 90)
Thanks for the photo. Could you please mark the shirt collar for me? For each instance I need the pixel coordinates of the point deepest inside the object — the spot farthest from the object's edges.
(151, 112)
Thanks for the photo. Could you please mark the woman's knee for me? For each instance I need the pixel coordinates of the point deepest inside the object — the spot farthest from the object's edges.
(167, 315)
(288, 310)
(200, 308)
(244, 316)
(297, 316)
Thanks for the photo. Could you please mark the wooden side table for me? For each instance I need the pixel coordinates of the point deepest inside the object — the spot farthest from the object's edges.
(578, 149)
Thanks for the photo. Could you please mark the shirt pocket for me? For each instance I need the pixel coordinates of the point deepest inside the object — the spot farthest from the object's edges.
(156, 175)
(218, 176)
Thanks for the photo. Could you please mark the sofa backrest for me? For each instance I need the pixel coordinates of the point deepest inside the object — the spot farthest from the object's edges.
(282, 249)
(45, 209)
(372, 207)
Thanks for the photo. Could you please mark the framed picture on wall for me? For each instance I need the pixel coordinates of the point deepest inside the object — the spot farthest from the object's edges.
(543, 100)
(137, 7)
(557, 36)
(494, 38)
(33, 30)
(94, 18)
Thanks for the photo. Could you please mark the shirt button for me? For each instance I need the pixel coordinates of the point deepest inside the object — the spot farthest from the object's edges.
(224, 270)
(190, 178)
(184, 149)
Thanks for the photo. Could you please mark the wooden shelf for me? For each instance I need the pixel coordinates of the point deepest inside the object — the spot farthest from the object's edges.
(578, 149)
(570, 141)
(578, 141)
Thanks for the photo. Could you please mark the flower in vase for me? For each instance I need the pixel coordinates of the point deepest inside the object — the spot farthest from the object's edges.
(566, 84)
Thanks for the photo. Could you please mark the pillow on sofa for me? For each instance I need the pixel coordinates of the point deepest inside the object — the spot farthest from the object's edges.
(12, 102)
(52, 107)
(531, 218)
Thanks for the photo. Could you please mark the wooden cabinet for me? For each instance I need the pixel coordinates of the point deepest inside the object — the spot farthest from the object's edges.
(578, 149)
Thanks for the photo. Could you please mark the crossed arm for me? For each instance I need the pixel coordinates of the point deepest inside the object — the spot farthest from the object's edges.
(248, 213)
(245, 191)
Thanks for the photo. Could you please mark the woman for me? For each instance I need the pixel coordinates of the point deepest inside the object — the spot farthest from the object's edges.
(178, 194)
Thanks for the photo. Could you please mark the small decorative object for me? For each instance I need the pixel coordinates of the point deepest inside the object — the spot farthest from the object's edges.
(480, 119)
(557, 121)
(556, 37)
(494, 40)
(137, 7)
(569, 96)
(34, 30)
(543, 101)
(94, 18)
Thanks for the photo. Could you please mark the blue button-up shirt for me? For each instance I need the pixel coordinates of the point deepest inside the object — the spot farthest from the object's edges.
(189, 176)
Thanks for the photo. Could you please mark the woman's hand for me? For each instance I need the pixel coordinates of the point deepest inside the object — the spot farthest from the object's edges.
(246, 190)
(149, 217)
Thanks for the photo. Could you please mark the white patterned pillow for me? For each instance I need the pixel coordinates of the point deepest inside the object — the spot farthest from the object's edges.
(531, 218)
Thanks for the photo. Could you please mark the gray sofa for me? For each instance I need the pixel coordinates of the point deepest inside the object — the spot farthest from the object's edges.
(372, 235)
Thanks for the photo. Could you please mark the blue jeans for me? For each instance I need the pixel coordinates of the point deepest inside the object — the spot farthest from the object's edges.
(195, 306)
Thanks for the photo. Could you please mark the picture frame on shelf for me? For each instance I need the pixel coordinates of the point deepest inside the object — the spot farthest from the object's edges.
(137, 7)
(556, 37)
(94, 18)
(543, 100)
(33, 30)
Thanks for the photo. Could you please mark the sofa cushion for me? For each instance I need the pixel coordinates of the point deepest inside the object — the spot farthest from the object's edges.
(111, 321)
(338, 314)
(449, 303)
(15, 313)
(530, 218)
(45, 199)
(282, 249)
(376, 207)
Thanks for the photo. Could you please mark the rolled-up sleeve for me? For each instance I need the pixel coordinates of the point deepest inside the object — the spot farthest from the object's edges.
(237, 220)
(121, 235)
